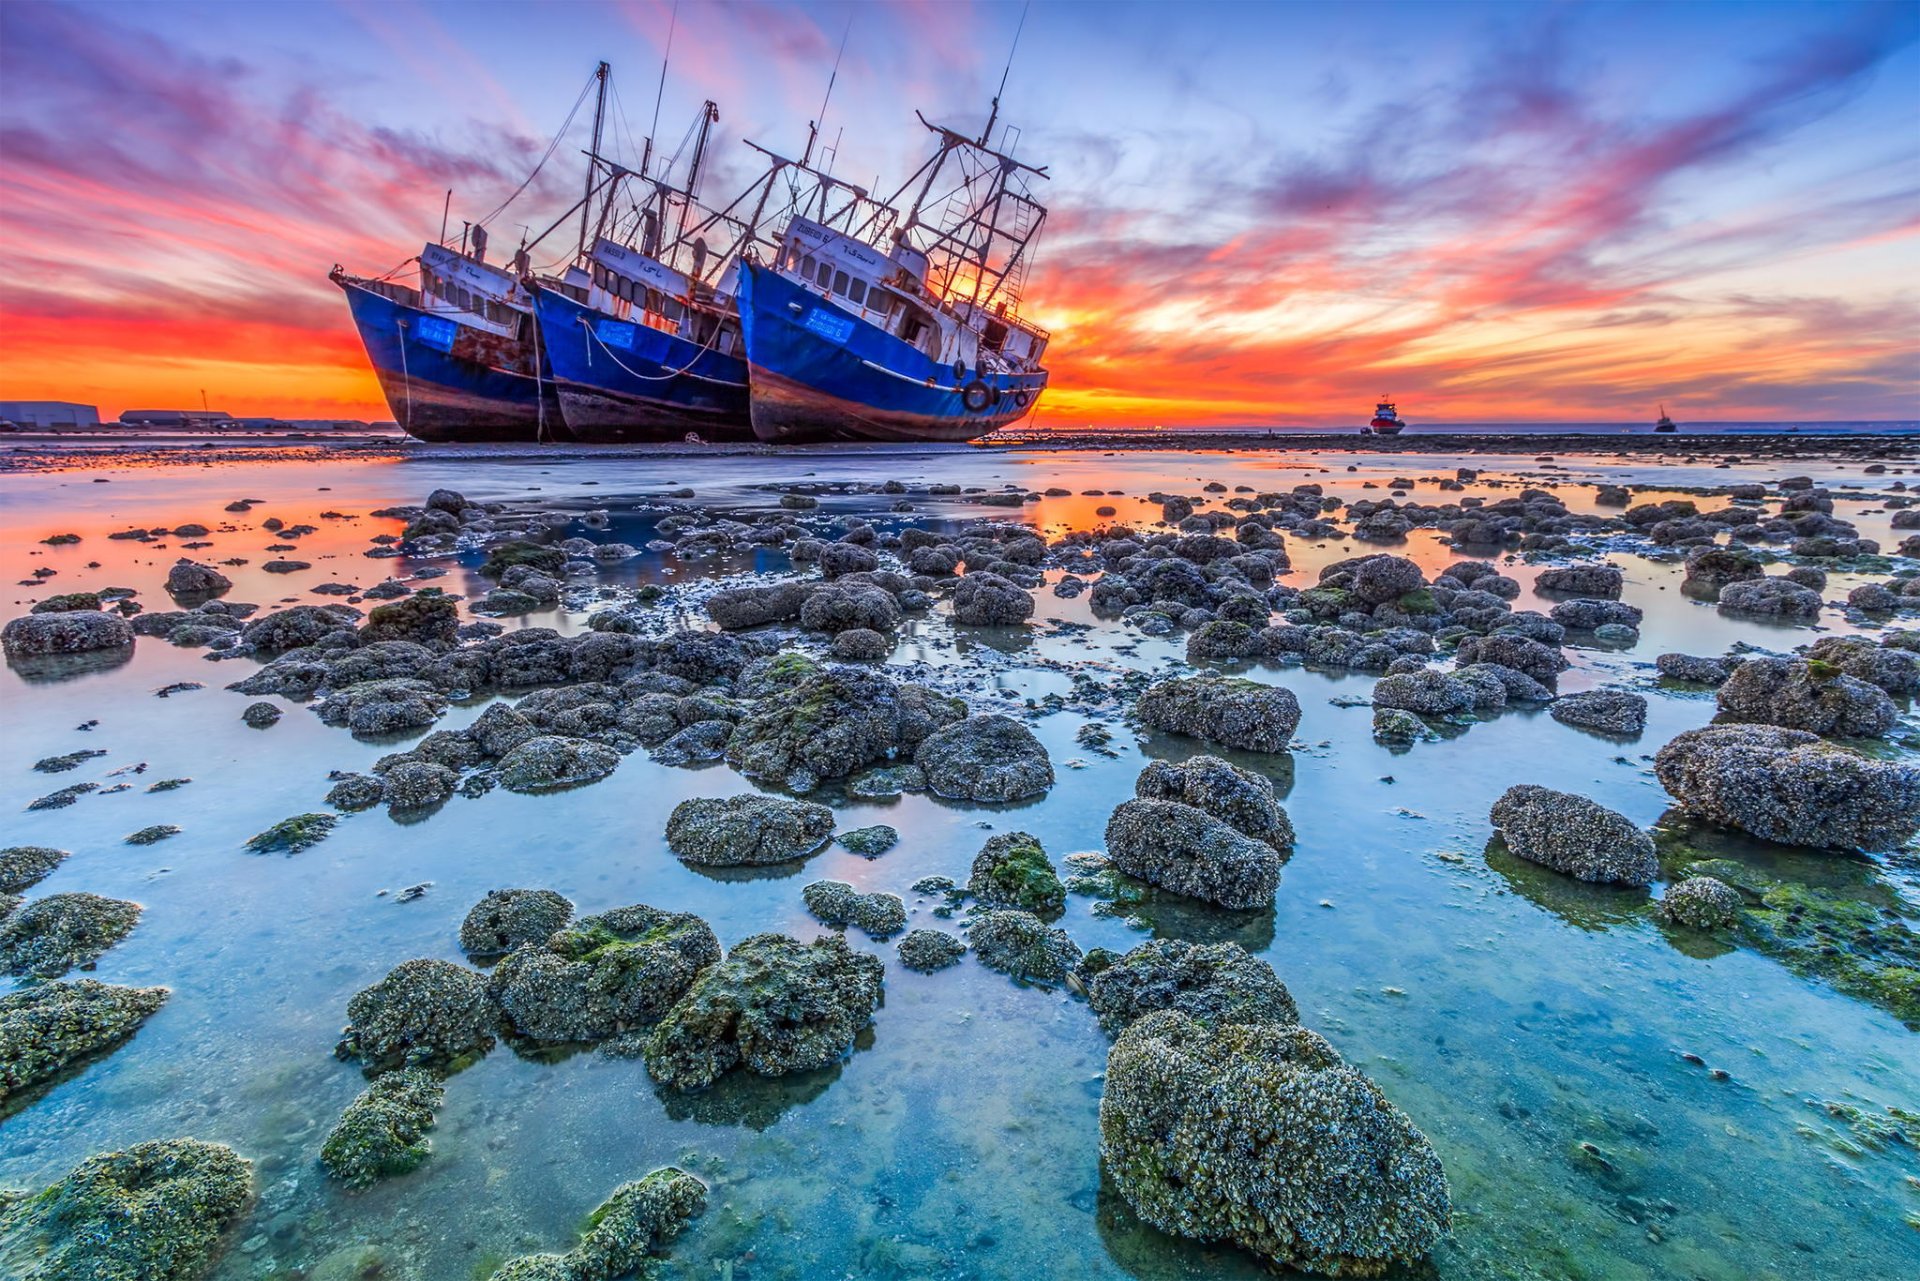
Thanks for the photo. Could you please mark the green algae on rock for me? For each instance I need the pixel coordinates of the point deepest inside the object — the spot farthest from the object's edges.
(638, 1221)
(158, 1211)
(423, 1012)
(291, 835)
(52, 935)
(1012, 870)
(1262, 1135)
(47, 1028)
(1213, 984)
(774, 1006)
(604, 975)
(383, 1132)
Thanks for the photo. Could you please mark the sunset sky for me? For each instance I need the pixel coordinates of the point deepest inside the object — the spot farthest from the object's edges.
(1260, 213)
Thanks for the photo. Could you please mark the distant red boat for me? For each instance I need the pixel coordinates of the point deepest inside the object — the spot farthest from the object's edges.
(1386, 419)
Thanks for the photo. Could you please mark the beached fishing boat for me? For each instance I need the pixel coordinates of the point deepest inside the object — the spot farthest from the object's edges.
(1386, 419)
(1664, 424)
(920, 341)
(458, 355)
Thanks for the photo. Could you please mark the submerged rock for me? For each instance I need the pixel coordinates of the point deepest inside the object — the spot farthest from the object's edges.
(1702, 903)
(423, 1012)
(158, 1211)
(1790, 786)
(291, 835)
(840, 905)
(1012, 870)
(1811, 695)
(52, 935)
(507, 919)
(23, 866)
(774, 1006)
(869, 842)
(636, 1223)
(925, 951)
(1023, 945)
(604, 975)
(383, 1132)
(45, 1028)
(72, 632)
(1215, 984)
(747, 830)
(261, 715)
(1188, 851)
(552, 762)
(1231, 711)
(1574, 835)
(985, 758)
(1262, 1135)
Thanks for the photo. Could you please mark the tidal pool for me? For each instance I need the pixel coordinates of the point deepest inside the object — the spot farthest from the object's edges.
(1610, 1098)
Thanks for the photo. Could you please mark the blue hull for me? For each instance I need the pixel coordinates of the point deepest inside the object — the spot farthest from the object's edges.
(820, 372)
(448, 382)
(620, 381)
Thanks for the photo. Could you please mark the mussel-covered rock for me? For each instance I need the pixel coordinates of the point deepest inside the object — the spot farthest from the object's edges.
(423, 1012)
(383, 1132)
(506, 919)
(1791, 786)
(1240, 798)
(1260, 1134)
(52, 935)
(985, 758)
(157, 1211)
(45, 1028)
(774, 1006)
(1023, 945)
(603, 975)
(1189, 851)
(1213, 983)
(837, 903)
(1701, 903)
(833, 724)
(747, 830)
(1574, 835)
(66, 632)
(1221, 709)
(925, 951)
(1813, 695)
(1605, 711)
(551, 762)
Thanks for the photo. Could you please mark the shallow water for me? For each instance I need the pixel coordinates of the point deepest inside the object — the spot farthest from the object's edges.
(1533, 1027)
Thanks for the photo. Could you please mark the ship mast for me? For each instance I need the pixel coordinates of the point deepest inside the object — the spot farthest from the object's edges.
(599, 119)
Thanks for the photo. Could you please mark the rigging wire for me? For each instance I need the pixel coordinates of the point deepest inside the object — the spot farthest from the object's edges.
(673, 23)
(545, 155)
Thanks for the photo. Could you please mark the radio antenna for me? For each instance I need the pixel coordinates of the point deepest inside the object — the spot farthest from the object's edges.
(813, 130)
(987, 134)
(672, 22)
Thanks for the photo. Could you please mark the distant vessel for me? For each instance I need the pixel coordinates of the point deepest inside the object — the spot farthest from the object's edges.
(1665, 423)
(1386, 419)
(921, 342)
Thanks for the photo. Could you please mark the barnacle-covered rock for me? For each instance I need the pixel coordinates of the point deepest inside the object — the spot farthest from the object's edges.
(415, 785)
(65, 632)
(988, 600)
(1574, 835)
(428, 617)
(1260, 1134)
(1790, 786)
(52, 935)
(1602, 581)
(1240, 798)
(1813, 695)
(1189, 851)
(747, 830)
(774, 1006)
(833, 724)
(1213, 983)
(1425, 693)
(603, 975)
(423, 1012)
(839, 905)
(1023, 945)
(925, 951)
(552, 762)
(291, 835)
(507, 919)
(157, 1211)
(23, 866)
(383, 1132)
(45, 1028)
(1231, 711)
(1012, 870)
(985, 758)
(1605, 711)
(1771, 598)
(1702, 902)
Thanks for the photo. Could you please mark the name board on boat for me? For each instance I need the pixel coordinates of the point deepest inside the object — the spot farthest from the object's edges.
(829, 325)
(614, 333)
(436, 332)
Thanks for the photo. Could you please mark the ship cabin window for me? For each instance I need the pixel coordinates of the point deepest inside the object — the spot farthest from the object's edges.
(806, 267)
(995, 336)
(857, 293)
(824, 276)
(840, 283)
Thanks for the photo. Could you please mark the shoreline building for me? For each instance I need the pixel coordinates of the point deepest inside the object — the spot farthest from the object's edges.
(49, 413)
